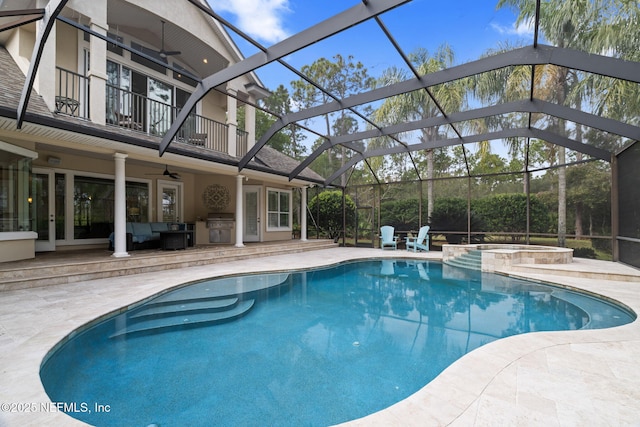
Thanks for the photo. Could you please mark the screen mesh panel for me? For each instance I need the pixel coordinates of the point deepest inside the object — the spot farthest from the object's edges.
(629, 205)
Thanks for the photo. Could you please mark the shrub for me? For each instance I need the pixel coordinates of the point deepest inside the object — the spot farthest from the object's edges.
(451, 215)
(507, 213)
(603, 245)
(328, 206)
(401, 214)
(584, 253)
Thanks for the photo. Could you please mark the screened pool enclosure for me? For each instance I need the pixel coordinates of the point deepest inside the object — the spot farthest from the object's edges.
(425, 113)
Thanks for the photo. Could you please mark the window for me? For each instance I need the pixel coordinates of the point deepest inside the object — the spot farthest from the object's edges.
(278, 210)
(137, 202)
(144, 61)
(15, 197)
(184, 76)
(93, 207)
(112, 47)
(93, 202)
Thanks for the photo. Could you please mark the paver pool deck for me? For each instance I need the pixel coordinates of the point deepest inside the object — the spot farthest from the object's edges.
(586, 377)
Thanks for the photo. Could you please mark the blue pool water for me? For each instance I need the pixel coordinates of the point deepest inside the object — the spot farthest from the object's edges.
(314, 348)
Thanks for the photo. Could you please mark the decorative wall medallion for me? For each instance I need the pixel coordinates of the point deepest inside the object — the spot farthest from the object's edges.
(216, 197)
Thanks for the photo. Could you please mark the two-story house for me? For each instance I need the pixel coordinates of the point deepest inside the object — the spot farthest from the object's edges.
(79, 156)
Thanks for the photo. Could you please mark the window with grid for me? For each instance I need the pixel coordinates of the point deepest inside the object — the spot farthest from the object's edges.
(278, 210)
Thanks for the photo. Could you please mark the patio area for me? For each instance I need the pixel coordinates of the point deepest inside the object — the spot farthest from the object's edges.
(553, 378)
(53, 268)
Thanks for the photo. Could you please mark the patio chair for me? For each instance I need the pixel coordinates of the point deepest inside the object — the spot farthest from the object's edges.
(387, 239)
(421, 242)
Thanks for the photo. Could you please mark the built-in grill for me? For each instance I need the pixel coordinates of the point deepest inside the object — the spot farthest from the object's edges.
(220, 226)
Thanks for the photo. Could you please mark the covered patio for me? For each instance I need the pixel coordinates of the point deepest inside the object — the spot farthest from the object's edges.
(62, 267)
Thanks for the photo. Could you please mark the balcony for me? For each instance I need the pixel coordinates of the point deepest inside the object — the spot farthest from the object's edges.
(72, 94)
(141, 113)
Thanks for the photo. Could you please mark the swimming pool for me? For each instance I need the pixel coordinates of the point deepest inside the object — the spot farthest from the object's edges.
(314, 348)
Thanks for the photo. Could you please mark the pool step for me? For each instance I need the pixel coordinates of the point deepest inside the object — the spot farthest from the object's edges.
(181, 318)
(471, 260)
(173, 308)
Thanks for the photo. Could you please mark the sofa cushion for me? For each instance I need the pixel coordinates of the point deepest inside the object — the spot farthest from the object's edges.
(141, 232)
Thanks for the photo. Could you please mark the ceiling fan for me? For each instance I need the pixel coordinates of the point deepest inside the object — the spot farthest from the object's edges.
(172, 175)
(164, 53)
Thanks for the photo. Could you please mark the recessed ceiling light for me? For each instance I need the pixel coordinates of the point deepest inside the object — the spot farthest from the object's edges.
(205, 60)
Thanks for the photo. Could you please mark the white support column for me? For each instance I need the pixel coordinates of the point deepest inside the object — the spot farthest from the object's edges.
(303, 214)
(232, 121)
(98, 72)
(45, 78)
(250, 124)
(239, 211)
(120, 208)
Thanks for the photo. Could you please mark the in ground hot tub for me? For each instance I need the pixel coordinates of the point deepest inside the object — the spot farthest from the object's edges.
(496, 257)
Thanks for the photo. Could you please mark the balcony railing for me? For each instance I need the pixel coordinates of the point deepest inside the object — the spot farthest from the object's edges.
(242, 142)
(140, 113)
(72, 93)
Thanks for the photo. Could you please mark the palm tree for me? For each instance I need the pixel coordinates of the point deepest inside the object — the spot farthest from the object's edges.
(418, 105)
(597, 26)
(500, 86)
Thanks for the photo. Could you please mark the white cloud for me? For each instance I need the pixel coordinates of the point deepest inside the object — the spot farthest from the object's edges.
(260, 19)
(524, 29)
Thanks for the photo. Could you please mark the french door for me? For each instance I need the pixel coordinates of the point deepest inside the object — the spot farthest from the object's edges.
(169, 201)
(43, 198)
(251, 205)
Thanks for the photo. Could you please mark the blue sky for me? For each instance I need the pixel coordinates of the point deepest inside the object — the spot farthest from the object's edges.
(470, 27)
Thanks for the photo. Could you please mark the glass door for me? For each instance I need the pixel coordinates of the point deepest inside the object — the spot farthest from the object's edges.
(189, 127)
(139, 103)
(169, 201)
(43, 209)
(159, 110)
(251, 232)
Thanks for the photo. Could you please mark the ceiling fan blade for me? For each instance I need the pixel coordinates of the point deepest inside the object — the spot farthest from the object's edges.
(164, 53)
(166, 172)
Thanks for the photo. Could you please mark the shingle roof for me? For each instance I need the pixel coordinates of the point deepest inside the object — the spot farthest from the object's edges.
(12, 83)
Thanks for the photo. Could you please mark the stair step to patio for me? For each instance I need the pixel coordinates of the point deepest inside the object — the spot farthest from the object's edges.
(40, 272)
(166, 323)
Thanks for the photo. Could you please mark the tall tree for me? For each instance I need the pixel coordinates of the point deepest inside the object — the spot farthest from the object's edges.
(418, 105)
(341, 78)
(288, 140)
(500, 86)
(579, 24)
